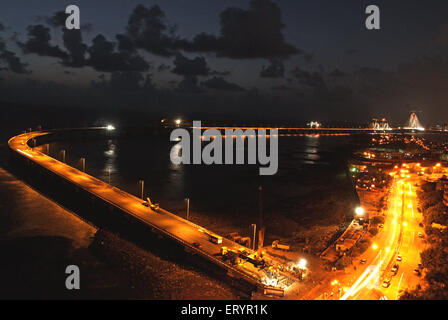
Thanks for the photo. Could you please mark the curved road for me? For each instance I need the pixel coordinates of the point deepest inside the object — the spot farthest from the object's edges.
(165, 222)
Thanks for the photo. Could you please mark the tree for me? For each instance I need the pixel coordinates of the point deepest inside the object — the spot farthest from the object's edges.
(373, 231)
(378, 220)
(343, 262)
(435, 213)
(362, 246)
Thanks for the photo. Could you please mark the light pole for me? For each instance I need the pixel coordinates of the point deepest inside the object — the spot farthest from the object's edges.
(188, 208)
(83, 160)
(109, 174)
(254, 226)
(360, 212)
(63, 155)
(143, 186)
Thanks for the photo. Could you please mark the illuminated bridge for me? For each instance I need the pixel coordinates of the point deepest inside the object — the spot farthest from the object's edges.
(160, 222)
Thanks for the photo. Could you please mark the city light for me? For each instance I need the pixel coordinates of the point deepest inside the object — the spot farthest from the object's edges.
(359, 211)
(302, 264)
(178, 121)
(110, 127)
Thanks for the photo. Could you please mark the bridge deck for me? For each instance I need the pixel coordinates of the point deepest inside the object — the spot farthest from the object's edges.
(165, 222)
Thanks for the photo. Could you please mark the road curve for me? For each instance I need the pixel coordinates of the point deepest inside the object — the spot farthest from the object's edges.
(170, 225)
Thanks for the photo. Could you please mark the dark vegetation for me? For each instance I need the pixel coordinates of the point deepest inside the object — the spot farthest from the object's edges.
(435, 258)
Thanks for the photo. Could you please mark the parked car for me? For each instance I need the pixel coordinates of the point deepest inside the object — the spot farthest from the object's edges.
(399, 257)
(417, 272)
(363, 261)
(420, 235)
(381, 226)
(386, 283)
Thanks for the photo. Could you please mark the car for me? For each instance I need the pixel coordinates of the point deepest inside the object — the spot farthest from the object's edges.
(197, 245)
(381, 226)
(420, 235)
(417, 272)
(394, 269)
(420, 266)
(399, 257)
(145, 203)
(386, 283)
(363, 261)
(420, 225)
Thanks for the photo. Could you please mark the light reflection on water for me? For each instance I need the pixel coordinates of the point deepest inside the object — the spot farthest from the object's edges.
(304, 163)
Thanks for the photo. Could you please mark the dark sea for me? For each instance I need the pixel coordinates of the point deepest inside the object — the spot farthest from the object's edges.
(307, 164)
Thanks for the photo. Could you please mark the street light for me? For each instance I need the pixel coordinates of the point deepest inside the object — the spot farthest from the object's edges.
(359, 211)
(188, 208)
(109, 174)
(142, 183)
(254, 226)
(83, 160)
(110, 127)
(63, 156)
(302, 264)
(178, 122)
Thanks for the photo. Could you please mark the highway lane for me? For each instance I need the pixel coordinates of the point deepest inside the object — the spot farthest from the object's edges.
(177, 228)
(403, 241)
(379, 256)
(412, 245)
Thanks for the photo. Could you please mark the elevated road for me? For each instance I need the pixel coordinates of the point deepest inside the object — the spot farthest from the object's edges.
(184, 232)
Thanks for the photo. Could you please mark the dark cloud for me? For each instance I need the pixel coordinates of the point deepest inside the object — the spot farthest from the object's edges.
(275, 70)
(104, 57)
(148, 29)
(308, 57)
(189, 85)
(57, 19)
(12, 62)
(2, 27)
(76, 48)
(311, 79)
(190, 67)
(336, 73)
(120, 81)
(204, 42)
(219, 83)
(281, 88)
(219, 73)
(39, 43)
(163, 67)
(252, 33)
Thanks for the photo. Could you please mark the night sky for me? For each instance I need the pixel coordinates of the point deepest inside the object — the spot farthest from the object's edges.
(295, 60)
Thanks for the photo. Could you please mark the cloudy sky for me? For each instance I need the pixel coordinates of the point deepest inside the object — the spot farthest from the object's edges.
(282, 59)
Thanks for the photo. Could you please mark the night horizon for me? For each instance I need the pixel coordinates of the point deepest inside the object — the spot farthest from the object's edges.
(319, 62)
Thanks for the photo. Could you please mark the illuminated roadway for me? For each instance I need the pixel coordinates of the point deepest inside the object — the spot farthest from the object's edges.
(163, 221)
(398, 237)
